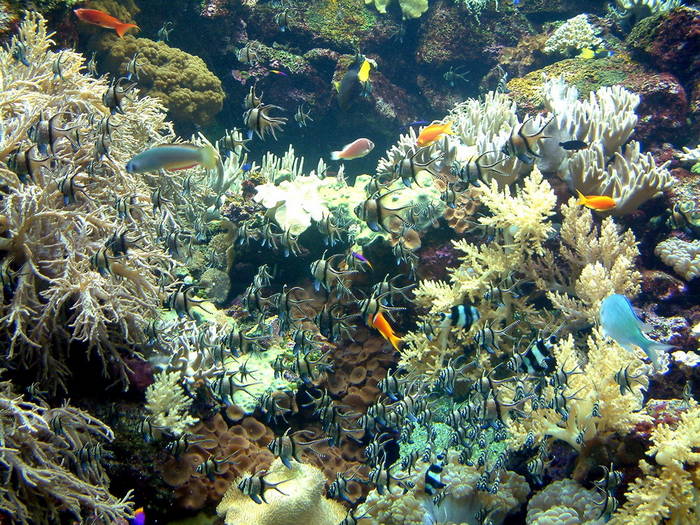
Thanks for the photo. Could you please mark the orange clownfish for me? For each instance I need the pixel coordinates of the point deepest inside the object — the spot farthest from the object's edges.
(432, 133)
(380, 323)
(596, 202)
(102, 19)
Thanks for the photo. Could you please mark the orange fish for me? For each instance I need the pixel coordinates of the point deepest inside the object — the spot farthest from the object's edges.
(102, 19)
(432, 133)
(596, 202)
(380, 323)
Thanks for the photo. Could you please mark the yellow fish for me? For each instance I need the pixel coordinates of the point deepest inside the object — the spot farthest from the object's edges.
(363, 74)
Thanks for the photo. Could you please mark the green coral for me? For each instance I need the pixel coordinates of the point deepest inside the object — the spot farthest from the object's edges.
(345, 23)
(695, 169)
(191, 92)
(585, 74)
(287, 60)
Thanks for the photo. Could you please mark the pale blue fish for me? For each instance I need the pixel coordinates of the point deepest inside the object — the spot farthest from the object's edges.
(173, 157)
(619, 322)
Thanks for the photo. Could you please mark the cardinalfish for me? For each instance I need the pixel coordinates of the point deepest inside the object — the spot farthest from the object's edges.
(102, 19)
(255, 486)
(173, 157)
(596, 202)
(355, 150)
(521, 145)
(380, 323)
(432, 133)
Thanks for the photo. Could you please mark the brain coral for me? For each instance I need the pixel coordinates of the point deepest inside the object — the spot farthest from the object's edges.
(191, 92)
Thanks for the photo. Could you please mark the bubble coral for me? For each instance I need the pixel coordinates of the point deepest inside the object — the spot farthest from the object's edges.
(564, 502)
(302, 501)
(182, 82)
(683, 256)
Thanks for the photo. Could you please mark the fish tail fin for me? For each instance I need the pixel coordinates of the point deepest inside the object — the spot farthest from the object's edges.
(448, 129)
(121, 29)
(655, 351)
(395, 341)
(335, 155)
(210, 157)
(581, 198)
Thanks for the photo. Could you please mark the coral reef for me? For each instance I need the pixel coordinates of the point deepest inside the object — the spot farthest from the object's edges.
(168, 404)
(299, 499)
(182, 82)
(575, 34)
(409, 8)
(668, 490)
(64, 283)
(51, 462)
(564, 502)
(682, 256)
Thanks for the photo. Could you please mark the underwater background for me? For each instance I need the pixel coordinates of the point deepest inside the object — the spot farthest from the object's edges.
(350, 262)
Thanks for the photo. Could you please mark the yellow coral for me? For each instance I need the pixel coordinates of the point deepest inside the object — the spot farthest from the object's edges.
(668, 493)
(595, 386)
(302, 501)
(600, 262)
(192, 93)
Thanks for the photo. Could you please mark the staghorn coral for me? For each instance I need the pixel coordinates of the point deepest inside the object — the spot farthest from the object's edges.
(182, 82)
(573, 35)
(302, 500)
(50, 458)
(168, 404)
(564, 502)
(600, 261)
(669, 491)
(462, 502)
(682, 256)
(63, 215)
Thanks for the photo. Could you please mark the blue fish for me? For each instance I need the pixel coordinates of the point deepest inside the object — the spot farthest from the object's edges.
(619, 321)
(247, 167)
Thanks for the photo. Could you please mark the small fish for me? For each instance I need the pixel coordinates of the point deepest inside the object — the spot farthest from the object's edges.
(19, 53)
(412, 124)
(282, 20)
(618, 321)
(173, 157)
(139, 517)
(278, 72)
(92, 64)
(163, 34)
(573, 145)
(380, 323)
(58, 66)
(432, 133)
(453, 74)
(362, 258)
(355, 150)
(432, 475)
(246, 55)
(587, 53)
(302, 117)
(521, 145)
(102, 19)
(626, 380)
(596, 202)
(255, 486)
(115, 95)
(536, 360)
(258, 121)
(132, 67)
(350, 86)
(182, 303)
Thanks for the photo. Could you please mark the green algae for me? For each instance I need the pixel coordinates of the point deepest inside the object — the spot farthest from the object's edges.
(344, 23)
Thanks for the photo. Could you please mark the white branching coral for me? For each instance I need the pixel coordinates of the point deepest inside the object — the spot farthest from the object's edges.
(168, 404)
(575, 34)
(647, 7)
(50, 460)
(682, 256)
